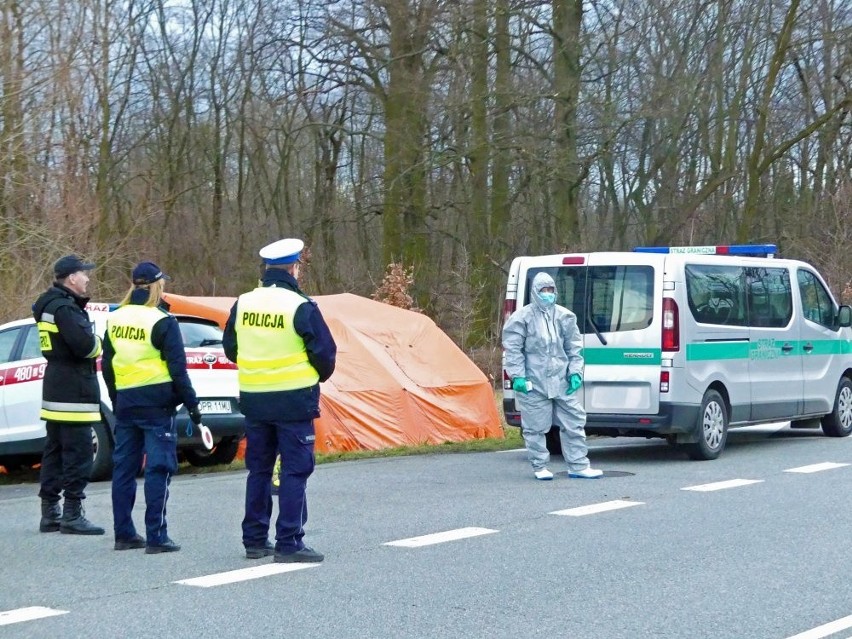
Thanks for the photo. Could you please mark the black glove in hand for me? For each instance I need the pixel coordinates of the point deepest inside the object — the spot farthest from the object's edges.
(195, 416)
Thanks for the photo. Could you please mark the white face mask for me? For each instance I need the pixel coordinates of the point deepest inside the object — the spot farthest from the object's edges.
(548, 298)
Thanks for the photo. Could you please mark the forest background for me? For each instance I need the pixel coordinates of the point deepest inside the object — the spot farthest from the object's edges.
(444, 137)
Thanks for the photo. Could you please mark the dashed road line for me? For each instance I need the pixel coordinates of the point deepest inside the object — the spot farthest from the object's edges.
(826, 629)
(593, 509)
(441, 537)
(243, 574)
(722, 485)
(815, 468)
(28, 614)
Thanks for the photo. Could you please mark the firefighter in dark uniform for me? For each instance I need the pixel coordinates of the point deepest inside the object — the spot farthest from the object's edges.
(70, 397)
(144, 367)
(283, 349)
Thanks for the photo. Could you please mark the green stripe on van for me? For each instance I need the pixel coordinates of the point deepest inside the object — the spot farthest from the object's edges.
(824, 346)
(623, 356)
(764, 349)
(704, 351)
(717, 350)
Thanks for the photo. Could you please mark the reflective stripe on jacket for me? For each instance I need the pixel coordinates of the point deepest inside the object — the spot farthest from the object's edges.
(272, 356)
(137, 361)
(70, 412)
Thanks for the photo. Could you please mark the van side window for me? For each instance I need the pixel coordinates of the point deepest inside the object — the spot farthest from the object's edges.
(770, 297)
(817, 305)
(716, 294)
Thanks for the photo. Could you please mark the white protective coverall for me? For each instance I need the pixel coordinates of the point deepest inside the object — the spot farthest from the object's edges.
(543, 344)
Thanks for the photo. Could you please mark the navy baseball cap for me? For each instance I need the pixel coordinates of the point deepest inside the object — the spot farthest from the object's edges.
(69, 265)
(148, 273)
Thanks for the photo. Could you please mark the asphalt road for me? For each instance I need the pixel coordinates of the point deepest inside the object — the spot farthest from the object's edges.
(765, 557)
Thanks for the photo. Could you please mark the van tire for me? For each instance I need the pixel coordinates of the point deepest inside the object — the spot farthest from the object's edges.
(711, 428)
(554, 441)
(102, 447)
(838, 423)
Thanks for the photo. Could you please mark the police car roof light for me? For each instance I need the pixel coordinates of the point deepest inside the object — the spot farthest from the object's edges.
(744, 250)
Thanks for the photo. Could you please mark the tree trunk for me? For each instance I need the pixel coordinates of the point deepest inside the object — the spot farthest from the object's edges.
(567, 29)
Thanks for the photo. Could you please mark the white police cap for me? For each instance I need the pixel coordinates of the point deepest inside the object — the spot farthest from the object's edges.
(282, 252)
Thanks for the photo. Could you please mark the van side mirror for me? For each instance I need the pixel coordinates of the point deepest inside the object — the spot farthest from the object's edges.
(844, 316)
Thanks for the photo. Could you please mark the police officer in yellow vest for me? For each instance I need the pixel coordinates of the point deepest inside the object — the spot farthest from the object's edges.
(70, 396)
(144, 367)
(283, 349)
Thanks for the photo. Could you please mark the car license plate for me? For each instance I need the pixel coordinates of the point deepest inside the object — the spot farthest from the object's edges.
(214, 406)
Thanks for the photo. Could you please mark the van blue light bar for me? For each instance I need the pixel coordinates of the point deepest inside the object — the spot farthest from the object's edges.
(744, 250)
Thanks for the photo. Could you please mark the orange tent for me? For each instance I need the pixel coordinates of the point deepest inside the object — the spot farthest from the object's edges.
(399, 379)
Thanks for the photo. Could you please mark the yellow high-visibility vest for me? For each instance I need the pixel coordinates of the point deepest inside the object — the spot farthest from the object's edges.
(137, 362)
(271, 356)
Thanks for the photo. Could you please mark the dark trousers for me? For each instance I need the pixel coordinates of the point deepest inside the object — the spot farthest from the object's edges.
(157, 439)
(66, 462)
(294, 441)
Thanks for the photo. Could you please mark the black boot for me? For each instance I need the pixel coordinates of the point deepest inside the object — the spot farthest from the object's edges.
(74, 520)
(50, 516)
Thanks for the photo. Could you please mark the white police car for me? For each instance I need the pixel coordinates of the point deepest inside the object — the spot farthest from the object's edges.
(214, 377)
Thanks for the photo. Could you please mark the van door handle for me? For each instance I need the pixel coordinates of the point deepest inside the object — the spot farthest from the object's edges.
(787, 347)
(808, 347)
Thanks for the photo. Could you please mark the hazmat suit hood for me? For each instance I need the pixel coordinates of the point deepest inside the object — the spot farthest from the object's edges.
(540, 281)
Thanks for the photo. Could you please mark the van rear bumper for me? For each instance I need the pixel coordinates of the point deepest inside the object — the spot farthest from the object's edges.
(672, 419)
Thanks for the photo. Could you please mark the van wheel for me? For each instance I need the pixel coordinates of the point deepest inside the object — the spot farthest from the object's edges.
(554, 442)
(102, 447)
(838, 423)
(223, 453)
(712, 428)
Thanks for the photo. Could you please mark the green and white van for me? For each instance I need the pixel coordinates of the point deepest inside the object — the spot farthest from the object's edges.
(685, 342)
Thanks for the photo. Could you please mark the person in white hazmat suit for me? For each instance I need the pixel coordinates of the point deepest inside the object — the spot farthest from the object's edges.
(544, 358)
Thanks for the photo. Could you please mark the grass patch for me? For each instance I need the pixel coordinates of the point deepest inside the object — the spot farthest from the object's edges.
(512, 440)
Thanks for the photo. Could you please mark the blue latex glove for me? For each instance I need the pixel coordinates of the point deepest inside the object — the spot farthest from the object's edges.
(574, 382)
(519, 385)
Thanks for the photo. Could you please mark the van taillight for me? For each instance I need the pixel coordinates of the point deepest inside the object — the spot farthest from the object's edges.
(507, 381)
(671, 325)
(508, 308)
(664, 381)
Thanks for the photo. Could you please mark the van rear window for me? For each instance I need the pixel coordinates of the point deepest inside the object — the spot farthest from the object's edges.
(613, 298)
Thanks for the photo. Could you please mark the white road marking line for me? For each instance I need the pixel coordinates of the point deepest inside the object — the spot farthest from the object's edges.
(243, 574)
(594, 509)
(825, 629)
(722, 485)
(441, 537)
(28, 614)
(513, 450)
(815, 468)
